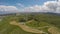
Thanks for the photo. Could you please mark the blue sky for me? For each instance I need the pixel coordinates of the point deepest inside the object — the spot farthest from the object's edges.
(29, 6)
(24, 2)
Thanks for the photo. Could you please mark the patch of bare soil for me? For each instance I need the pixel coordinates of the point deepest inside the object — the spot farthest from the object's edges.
(26, 28)
(53, 30)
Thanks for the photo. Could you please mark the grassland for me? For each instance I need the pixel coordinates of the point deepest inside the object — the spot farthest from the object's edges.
(38, 21)
(7, 28)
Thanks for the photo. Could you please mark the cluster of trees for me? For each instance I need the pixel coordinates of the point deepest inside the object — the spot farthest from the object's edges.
(37, 18)
(51, 19)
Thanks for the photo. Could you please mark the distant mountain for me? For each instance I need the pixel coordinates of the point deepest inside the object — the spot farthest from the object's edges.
(52, 13)
(4, 13)
(11, 13)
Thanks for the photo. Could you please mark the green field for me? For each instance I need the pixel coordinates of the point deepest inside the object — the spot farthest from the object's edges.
(40, 21)
(6, 28)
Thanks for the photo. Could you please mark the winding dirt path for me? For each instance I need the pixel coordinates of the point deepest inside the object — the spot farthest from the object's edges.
(53, 30)
(26, 28)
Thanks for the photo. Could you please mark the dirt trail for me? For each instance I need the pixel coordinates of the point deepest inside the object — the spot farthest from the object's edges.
(26, 28)
(53, 30)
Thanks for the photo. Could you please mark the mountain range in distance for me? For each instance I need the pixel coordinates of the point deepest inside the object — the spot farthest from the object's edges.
(11, 13)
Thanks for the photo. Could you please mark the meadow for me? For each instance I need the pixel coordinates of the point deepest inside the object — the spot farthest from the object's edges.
(37, 21)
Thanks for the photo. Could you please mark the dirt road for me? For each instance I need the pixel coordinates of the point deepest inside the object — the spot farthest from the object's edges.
(53, 30)
(26, 28)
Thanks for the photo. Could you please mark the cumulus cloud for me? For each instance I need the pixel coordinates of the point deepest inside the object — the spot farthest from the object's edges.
(4, 8)
(58, 0)
(49, 6)
(54, 6)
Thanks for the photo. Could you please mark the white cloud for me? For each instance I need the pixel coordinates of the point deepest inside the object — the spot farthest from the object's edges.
(58, 0)
(49, 6)
(4, 8)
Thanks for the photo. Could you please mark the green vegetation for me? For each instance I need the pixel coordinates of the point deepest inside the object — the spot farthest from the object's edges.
(38, 21)
(6, 28)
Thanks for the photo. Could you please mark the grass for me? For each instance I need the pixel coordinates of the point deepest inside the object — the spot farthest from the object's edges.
(35, 21)
(12, 29)
(40, 25)
(6, 28)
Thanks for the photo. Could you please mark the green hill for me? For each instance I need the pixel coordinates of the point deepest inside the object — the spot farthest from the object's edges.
(6, 28)
(38, 21)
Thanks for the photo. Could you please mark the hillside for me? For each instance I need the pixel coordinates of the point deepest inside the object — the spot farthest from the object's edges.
(41, 22)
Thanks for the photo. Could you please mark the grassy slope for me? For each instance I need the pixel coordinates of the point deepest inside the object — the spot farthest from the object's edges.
(6, 28)
(45, 20)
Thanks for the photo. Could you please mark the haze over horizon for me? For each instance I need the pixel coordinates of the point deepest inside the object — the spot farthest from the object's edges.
(13, 6)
